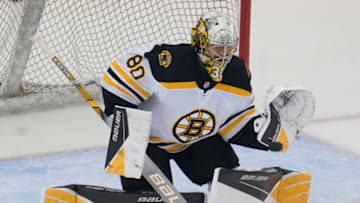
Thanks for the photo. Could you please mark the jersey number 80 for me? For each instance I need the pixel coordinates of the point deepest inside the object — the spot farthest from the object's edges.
(136, 69)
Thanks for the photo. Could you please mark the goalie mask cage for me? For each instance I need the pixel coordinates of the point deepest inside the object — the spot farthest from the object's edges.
(88, 35)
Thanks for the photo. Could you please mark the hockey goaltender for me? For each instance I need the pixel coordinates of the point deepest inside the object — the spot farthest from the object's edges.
(201, 102)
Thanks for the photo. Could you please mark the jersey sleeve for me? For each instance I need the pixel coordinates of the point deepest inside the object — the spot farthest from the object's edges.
(130, 77)
(240, 128)
(110, 100)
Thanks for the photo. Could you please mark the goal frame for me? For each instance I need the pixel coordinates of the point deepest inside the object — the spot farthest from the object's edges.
(245, 22)
(12, 86)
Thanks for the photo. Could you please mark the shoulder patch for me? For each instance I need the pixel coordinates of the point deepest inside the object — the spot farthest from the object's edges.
(165, 58)
(171, 63)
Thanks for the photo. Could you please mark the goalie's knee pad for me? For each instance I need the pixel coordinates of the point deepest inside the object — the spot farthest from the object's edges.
(292, 187)
(269, 185)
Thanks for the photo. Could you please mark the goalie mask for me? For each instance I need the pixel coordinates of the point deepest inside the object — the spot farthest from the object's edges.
(215, 41)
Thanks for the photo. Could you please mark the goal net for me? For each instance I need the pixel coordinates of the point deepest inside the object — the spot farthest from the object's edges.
(87, 35)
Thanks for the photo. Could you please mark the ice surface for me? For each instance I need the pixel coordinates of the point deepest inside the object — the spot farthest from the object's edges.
(335, 175)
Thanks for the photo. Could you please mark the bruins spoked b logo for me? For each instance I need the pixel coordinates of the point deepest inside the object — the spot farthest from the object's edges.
(194, 125)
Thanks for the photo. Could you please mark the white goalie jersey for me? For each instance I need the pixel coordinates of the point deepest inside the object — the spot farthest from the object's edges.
(186, 104)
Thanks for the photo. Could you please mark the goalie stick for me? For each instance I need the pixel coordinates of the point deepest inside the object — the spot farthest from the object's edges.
(151, 172)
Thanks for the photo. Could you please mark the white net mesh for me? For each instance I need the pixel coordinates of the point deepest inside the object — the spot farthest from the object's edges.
(87, 35)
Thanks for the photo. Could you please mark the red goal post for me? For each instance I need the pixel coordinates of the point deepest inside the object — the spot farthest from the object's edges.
(244, 42)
